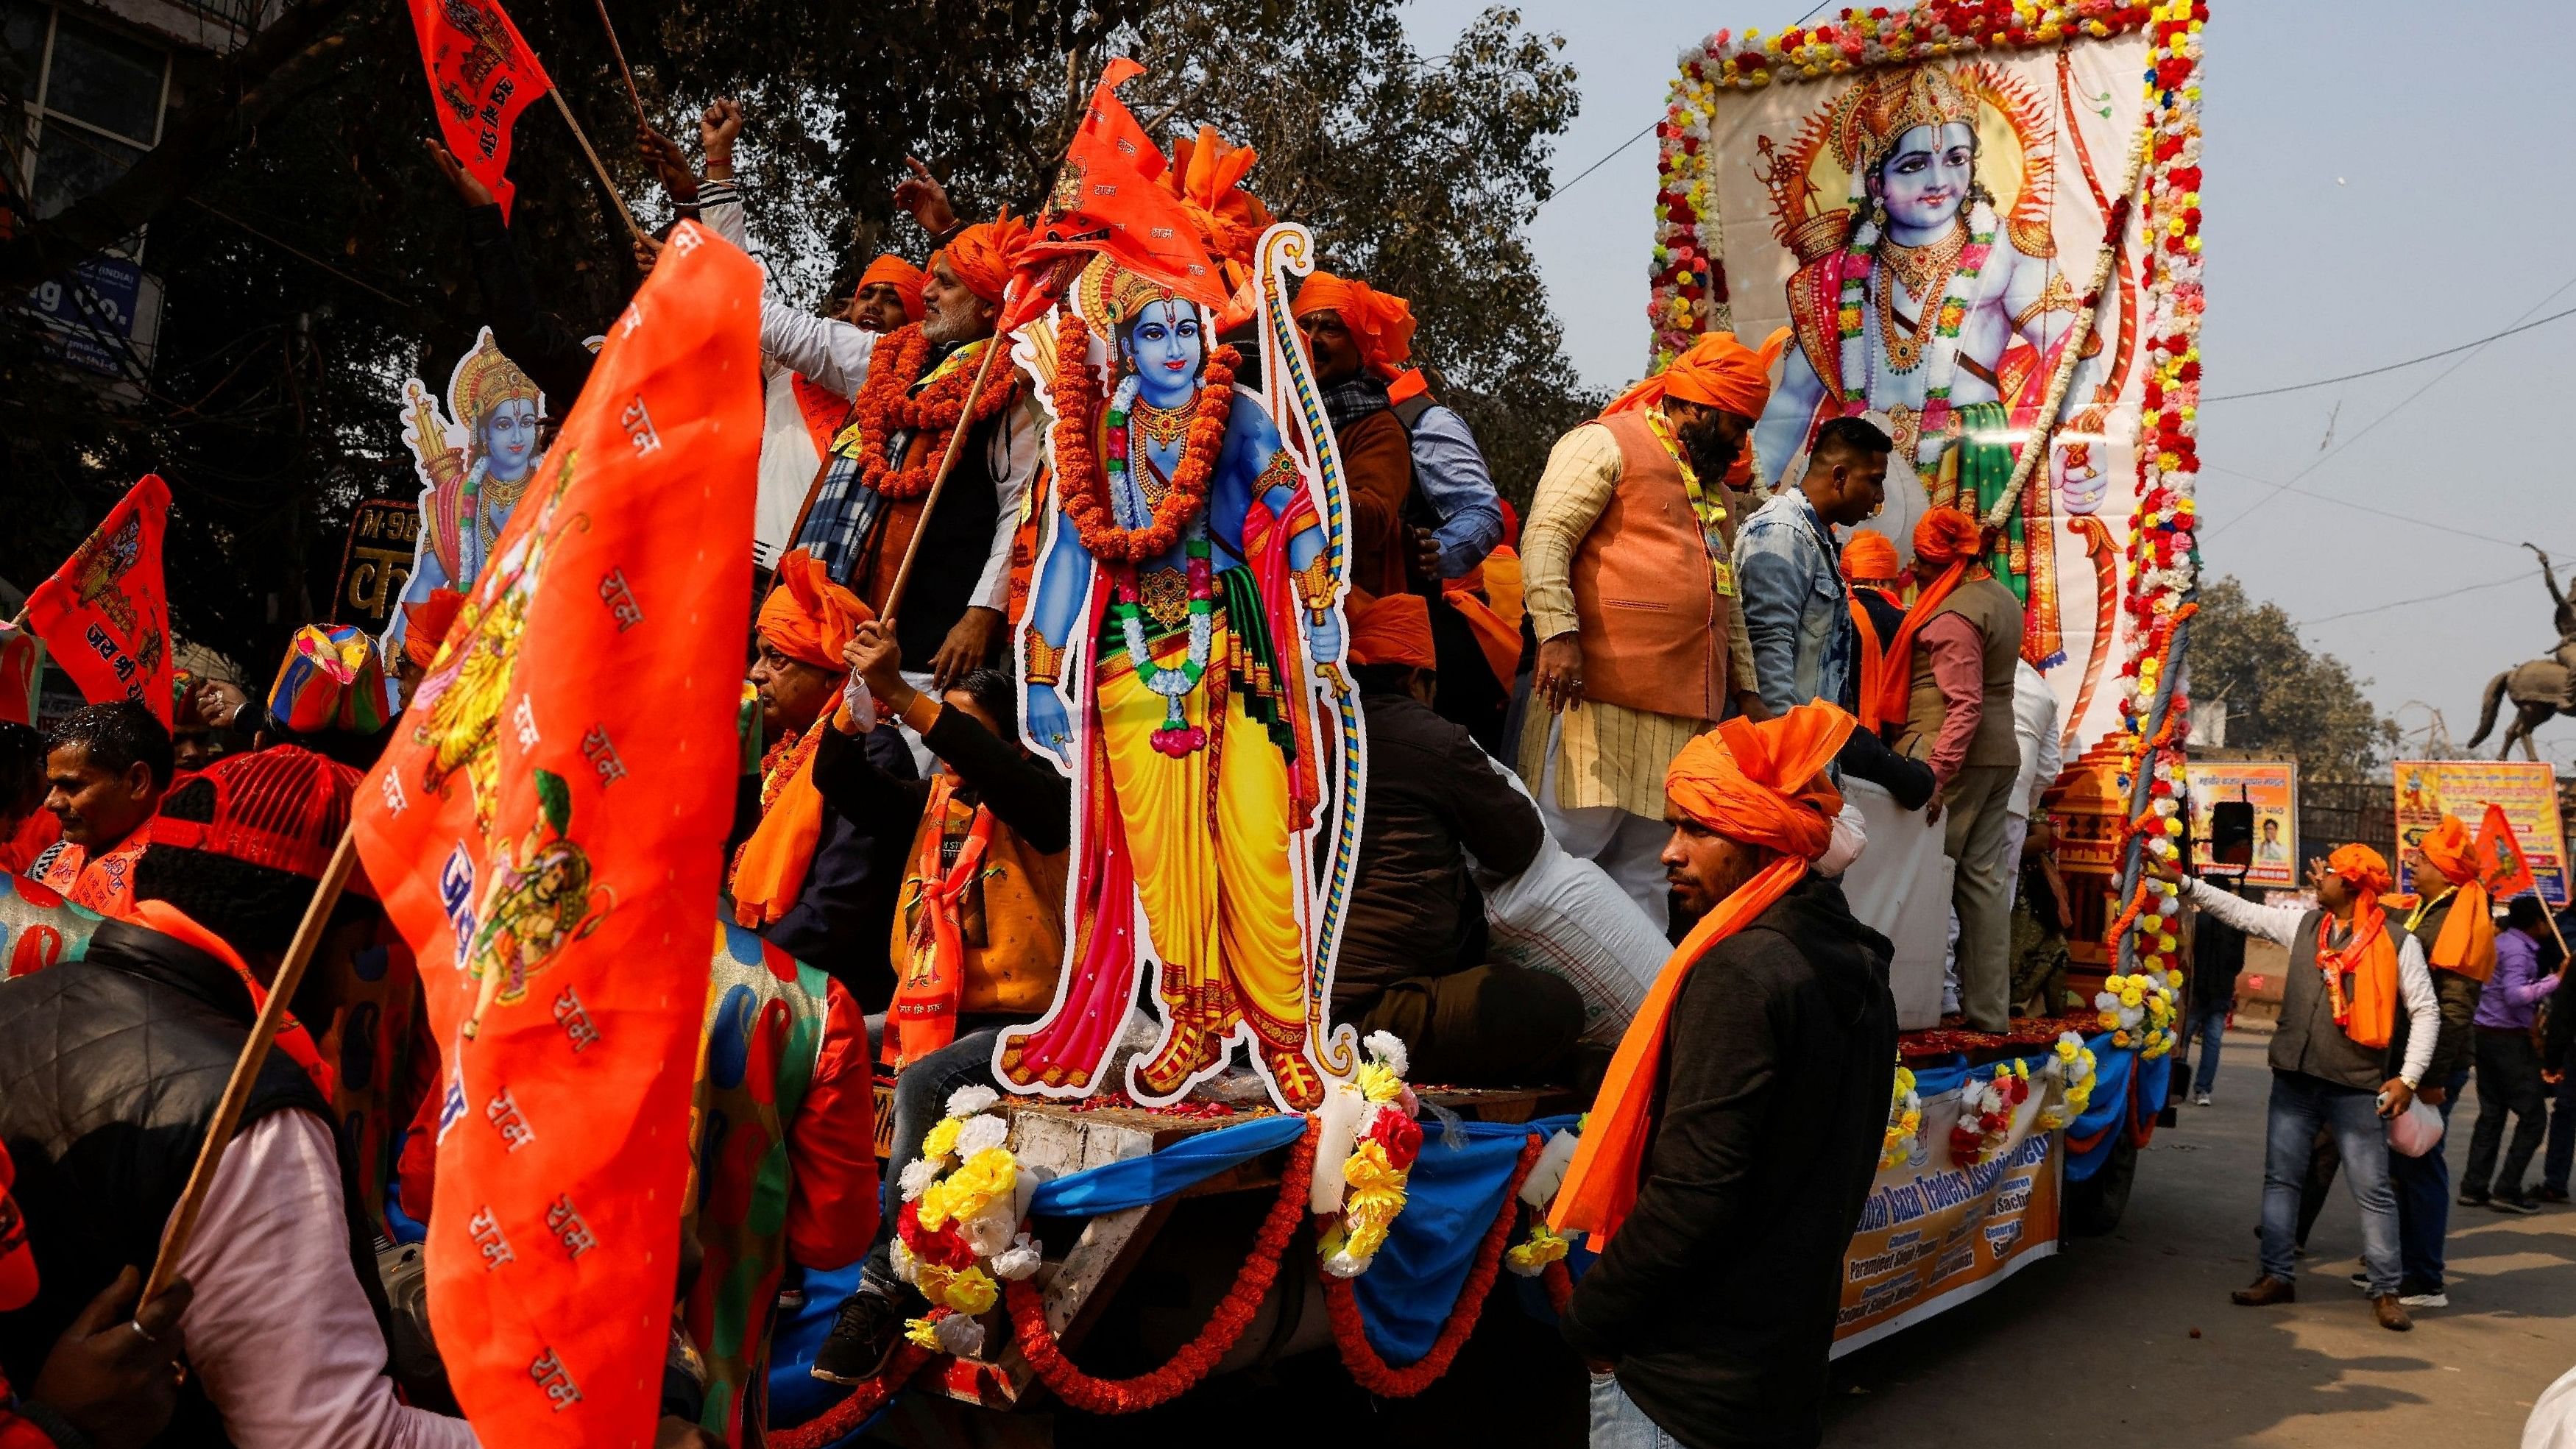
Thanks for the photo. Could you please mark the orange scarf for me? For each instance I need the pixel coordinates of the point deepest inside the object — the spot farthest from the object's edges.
(2367, 1010)
(292, 1038)
(1873, 665)
(770, 868)
(2467, 941)
(1896, 670)
(924, 1015)
(1756, 783)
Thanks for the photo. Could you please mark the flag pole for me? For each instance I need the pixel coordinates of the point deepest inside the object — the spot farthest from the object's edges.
(622, 68)
(254, 1053)
(610, 186)
(1001, 343)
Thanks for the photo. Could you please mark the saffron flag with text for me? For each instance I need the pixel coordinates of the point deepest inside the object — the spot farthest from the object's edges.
(545, 828)
(481, 75)
(1105, 200)
(2502, 867)
(104, 614)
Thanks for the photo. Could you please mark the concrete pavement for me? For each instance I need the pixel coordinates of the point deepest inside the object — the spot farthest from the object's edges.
(2130, 1340)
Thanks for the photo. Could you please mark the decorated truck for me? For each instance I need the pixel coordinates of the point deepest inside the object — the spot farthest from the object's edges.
(1979, 225)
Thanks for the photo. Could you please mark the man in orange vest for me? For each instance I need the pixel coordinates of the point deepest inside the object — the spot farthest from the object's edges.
(1630, 587)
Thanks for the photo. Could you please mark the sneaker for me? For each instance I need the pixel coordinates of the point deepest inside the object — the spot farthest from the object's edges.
(2200, 1099)
(2435, 1299)
(862, 1338)
(2472, 1199)
(2551, 1194)
(2514, 1204)
(2361, 1281)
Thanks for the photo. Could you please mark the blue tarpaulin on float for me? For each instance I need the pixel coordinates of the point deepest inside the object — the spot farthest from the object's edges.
(1449, 1203)
(1114, 1186)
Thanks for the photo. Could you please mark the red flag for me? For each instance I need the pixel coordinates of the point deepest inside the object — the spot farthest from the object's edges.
(546, 828)
(104, 613)
(481, 75)
(2502, 867)
(21, 655)
(1105, 200)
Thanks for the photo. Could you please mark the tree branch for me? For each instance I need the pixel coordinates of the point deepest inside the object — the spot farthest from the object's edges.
(300, 51)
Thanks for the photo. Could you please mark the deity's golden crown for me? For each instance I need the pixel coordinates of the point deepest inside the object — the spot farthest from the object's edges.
(1887, 104)
(1113, 292)
(486, 380)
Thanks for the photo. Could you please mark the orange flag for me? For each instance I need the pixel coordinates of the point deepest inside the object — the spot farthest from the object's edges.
(1106, 200)
(2502, 866)
(546, 829)
(481, 75)
(104, 613)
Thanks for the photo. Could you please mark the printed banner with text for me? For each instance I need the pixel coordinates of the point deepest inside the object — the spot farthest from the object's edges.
(2427, 790)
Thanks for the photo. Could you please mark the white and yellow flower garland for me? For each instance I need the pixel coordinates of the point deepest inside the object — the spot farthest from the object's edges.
(1904, 1119)
(959, 1229)
(1383, 1137)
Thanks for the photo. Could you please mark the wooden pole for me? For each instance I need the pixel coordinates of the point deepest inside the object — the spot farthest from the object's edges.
(1000, 343)
(2072, 351)
(622, 68)
(254, 1052)
(610, 186)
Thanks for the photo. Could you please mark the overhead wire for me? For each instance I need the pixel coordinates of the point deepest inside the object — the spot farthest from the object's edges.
(2393, 366)
(1614, 152)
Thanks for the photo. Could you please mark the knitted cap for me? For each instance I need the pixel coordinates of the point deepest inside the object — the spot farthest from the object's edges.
(284, 808)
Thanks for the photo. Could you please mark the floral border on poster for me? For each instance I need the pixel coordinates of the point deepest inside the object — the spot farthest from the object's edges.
(1687, 296)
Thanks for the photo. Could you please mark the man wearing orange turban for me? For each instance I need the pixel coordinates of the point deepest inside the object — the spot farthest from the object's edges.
(859, 514)
(1424, 508)
(2353, 970)
(806, 878)
(2451, 918)
(1413, 959)
(1958, 719)
(888, 294)
(1733, 1142)
(1629, 582)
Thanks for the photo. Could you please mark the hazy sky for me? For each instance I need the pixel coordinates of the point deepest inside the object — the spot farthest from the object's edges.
(2353, 218)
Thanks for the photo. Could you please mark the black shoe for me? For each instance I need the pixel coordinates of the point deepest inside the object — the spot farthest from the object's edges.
(2472, 1199)
(2513, 1204)
(2551, 1194)
(862, 1338)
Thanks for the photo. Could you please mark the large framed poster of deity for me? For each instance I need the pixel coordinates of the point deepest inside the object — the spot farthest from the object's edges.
(1924, 207)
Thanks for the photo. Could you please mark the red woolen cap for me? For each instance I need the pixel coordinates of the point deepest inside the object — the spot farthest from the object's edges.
(284, 808)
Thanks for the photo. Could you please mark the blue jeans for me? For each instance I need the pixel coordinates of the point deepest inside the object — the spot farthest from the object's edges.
(1619, 1424)
(2423, 1188)
(2301, 1105)
(2562, 1134)
(2209, 1026)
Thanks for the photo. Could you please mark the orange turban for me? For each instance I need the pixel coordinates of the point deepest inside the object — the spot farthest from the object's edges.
(899, 274)
(809, 618)
(1380, 322)
(1870, 557)
(2467, 942)
(2365, 868)
(1717, 371)
(1394, 629)
(1943, 537)
(984, 255)
(1761, 784)
(426, 624)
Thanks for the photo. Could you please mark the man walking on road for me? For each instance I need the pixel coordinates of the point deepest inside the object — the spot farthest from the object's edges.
(2349, 971)
(2508, 1064)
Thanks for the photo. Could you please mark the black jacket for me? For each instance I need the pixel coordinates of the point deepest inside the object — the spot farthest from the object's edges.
(1433, 797)
(844, 911)
(110, 1069)
(1717, 1297)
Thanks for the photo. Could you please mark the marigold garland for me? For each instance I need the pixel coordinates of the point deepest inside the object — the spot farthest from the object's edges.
(887, 405)
(1558, 1280)
(1351, 1334)
(836, 1422)
(1233, 1313)
(1080, 482)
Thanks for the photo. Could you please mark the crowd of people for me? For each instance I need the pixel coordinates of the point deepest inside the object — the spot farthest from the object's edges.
(1662, 672)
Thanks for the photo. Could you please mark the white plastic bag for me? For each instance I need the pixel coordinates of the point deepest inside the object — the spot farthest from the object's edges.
(2415, 1131)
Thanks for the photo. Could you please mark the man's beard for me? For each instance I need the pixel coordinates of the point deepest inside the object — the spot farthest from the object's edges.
(1712, 453)
(955, 322)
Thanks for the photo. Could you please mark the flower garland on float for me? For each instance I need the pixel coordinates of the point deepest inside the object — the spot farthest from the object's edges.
(2071, 1066)
(1904, 1119)
(1385, 1137)
(2162, 553)
(2138, 1010)
(1986, 1107)
(958, 1234)
(1686, 283)
(1544, 1246)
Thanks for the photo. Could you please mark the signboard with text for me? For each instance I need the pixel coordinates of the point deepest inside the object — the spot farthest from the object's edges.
(376, 563)
(2427, 790)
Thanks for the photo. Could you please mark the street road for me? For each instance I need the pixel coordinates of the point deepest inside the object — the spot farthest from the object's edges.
(2130, 1340)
